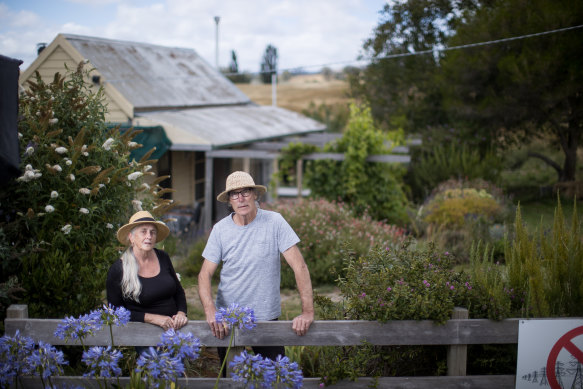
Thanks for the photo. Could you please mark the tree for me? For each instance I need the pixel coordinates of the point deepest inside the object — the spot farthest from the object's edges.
(520, 89)
(78, 187)
(233, 71)
(403, 89)
(269, 64)
(233, 66)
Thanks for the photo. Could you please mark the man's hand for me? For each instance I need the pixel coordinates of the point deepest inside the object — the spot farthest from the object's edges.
(219, 330)
(301, 324)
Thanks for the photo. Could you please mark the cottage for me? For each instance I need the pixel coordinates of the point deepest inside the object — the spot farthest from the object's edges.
(199, 121)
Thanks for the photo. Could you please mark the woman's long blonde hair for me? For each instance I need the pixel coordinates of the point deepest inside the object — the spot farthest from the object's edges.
(131, 286)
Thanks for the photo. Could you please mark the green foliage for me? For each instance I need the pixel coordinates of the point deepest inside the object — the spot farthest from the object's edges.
(406, 283)
(287, 161)
(438, 162)
(323, 228)
(548, 266)
(370, 187)
(335, 117)
(76, 190)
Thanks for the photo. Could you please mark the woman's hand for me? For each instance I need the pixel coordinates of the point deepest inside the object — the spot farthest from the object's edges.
(166, 322)
(179, 320)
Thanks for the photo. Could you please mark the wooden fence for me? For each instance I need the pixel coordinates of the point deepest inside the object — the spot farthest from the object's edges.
(457, 333)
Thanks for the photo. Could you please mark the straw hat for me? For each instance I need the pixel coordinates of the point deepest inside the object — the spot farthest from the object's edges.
(240, 180)
(142, 217)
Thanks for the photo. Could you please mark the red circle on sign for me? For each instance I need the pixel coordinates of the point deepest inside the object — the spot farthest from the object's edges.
(563, 342)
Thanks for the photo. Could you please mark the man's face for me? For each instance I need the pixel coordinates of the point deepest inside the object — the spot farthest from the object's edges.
(144, 236)
(243, 201)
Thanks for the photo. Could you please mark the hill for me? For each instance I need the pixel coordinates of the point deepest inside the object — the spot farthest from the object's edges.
(296, 93)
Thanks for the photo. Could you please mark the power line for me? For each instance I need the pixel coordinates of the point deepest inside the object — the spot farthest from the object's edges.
(431, 51)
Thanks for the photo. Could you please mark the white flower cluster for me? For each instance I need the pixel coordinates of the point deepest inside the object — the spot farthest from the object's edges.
(107, 144)
(29, 174)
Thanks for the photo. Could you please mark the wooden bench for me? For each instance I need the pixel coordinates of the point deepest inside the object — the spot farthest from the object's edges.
(457, 333)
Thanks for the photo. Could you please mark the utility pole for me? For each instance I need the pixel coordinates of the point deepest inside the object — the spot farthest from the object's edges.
(217, 19)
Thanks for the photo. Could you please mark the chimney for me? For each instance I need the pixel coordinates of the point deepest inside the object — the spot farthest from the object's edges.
(40, 47)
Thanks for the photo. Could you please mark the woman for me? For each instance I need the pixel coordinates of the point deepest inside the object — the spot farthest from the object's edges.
(143, 280)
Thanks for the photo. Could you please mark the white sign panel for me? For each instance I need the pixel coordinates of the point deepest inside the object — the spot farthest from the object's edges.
(550, 354)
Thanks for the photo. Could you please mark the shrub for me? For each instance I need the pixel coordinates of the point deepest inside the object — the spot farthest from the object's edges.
(369, 187)
(335, 116)
(76, 190)
(460, 212)
(406, 283)
(548, 266)
(323, 228)
(438, 162)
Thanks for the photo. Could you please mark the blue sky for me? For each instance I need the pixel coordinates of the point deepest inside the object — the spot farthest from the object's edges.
(307, 33)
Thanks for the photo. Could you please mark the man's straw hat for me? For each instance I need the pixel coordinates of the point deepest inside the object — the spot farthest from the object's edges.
(142, 217)
(240, 180)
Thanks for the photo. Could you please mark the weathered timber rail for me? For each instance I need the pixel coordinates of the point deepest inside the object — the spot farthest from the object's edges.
(456, 334)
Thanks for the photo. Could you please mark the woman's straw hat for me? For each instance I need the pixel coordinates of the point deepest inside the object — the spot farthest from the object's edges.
(240, 180)
(142, 217)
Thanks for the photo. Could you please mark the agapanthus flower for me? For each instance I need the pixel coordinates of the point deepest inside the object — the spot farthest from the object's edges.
(236, 315)
(252, 370)
(79, 328)
(84, 210)
(84, 191)
(156, 366)
(66, 228)
(180, 345)
(61, 150)
(44, 361)
(107, 144)
(102, 362)
(287, 373)
(13, 354)
(110, 315)
(54, 194)
(49, 208)
(134, 176)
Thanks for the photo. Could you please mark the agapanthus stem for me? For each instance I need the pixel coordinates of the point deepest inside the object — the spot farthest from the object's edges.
(226, 357)
(111, 334)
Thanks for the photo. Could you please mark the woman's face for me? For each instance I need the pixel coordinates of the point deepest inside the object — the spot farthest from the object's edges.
(143, 237)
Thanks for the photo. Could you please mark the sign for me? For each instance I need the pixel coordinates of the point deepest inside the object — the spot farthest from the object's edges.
(550, 354)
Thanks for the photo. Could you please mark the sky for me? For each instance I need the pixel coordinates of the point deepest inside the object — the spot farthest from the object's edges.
(308, 34)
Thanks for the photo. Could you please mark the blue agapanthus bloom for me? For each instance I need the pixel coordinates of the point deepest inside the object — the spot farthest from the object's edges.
(102, 362)
(252, 370)
(235, 315)
(287, 373)
(71, 328)
(44, 361)
(110, 315)
(156, 366)
(13, 354)
(180, 345)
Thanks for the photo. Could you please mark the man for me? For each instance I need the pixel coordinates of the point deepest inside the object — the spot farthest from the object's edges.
(249, 242)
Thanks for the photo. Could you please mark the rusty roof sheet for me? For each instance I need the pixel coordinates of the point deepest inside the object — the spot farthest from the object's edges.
(153, 77)
(219, 127)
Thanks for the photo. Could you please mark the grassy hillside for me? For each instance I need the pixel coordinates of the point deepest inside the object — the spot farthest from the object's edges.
(297, 93)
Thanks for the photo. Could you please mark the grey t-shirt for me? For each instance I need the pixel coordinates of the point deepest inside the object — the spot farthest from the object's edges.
(250, 275)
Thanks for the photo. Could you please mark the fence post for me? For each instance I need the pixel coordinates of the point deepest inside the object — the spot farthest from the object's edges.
(457, 355)
(17, 311)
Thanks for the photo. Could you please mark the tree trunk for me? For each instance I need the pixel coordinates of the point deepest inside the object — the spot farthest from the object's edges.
(569, 143)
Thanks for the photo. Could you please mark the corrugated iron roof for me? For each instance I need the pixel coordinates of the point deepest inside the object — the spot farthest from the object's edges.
(153, 77)
(219, 127)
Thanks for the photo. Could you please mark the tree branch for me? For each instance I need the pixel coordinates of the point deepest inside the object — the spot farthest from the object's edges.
(547, 160)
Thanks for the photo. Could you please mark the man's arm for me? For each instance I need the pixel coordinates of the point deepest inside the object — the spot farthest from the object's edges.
(206, 298)
(294, 258)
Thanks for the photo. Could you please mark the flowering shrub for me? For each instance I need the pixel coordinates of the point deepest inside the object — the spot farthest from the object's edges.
(77, 188)
(325, 228)
(406, 283)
